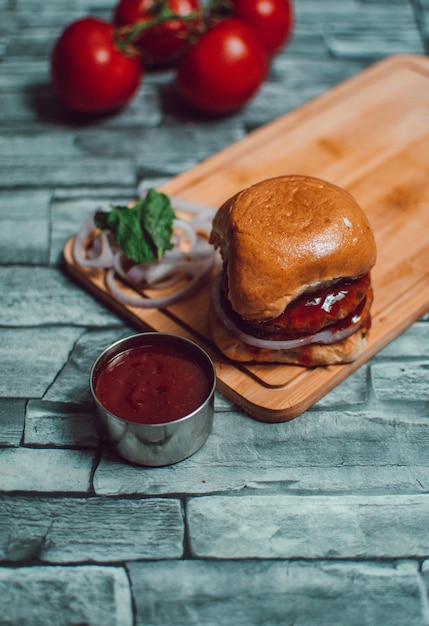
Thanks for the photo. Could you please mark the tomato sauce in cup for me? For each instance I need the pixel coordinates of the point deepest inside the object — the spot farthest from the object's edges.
(153, 383)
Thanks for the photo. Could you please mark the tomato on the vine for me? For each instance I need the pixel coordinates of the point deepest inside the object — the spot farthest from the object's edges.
(89, 71)
(272, 19)
(224, 69)
(161, 44)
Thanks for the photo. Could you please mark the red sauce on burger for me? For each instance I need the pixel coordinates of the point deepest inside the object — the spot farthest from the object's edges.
(311, 312)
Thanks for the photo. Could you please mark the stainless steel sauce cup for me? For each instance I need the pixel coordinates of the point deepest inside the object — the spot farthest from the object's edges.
(162, 443)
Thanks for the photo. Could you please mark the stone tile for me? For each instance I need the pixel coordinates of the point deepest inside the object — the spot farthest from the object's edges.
(178, 147)
(103, 530)
(30, 358)
(405, 381)
(48, 170)
(287, 72)
(72, 384)
(131, 116)
(316, 527)
(32, 247)
(59, 424)
(114, 477)
(311, 10)
(54, 299)
(37, 44)
(421, 10)
(320, 451)
(411, 343)
(51, 15)
(94, 195)
(12, 413)
(45, 144)
(352, 391)
(45, 470)
(425, 575)
(47, 112)
(372, 33)
(252, 593)
(274, 99)
(89, 594)
(283, 91)
(29, 244)
(222, 403)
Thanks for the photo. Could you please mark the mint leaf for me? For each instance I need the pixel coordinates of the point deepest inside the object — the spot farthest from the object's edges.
(156, 217)
(143, 231)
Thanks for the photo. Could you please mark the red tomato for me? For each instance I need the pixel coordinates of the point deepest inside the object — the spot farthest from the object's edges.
(89, 72)
(162, 44)
(272, 20)
(224, 69)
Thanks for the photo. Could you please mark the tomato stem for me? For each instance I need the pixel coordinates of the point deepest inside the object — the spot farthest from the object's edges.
(219, 9)
(125, 36)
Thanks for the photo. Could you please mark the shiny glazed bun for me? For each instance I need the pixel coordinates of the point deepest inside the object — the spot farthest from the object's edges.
(295, 285)
(288, 235)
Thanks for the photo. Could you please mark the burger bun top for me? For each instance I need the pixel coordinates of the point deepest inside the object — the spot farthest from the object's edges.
(289, 235)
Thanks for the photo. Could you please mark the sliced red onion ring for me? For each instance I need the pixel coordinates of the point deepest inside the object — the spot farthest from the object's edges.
(191, 259)
(198, 275)
(201, 214)
(184, 235)
(101, 254)
(326, 336)
(194, 208)
(200, 250)
(154, 275)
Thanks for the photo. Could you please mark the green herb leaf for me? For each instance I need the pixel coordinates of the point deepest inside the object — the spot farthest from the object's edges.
(143, 231)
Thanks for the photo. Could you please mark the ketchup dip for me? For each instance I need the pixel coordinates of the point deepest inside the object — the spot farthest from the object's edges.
(154, 397)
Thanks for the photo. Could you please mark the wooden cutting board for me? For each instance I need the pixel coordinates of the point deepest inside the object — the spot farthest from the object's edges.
(369, 135)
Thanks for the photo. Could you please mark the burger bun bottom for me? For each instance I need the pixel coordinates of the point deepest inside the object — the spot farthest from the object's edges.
(312, 355)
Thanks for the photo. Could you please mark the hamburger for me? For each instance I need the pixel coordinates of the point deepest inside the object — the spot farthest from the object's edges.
(295, 285)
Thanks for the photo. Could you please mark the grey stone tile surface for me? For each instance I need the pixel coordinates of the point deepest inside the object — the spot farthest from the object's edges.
(12, 416)
(100, 530)
(87, 594)
(45, 470)
(30, 358)
(326, 451)
(317, 527)
(221, 593)
(61, 424)
(45, 295)
(318, 521)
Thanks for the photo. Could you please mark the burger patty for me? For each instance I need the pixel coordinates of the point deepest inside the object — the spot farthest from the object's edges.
(312, 312)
